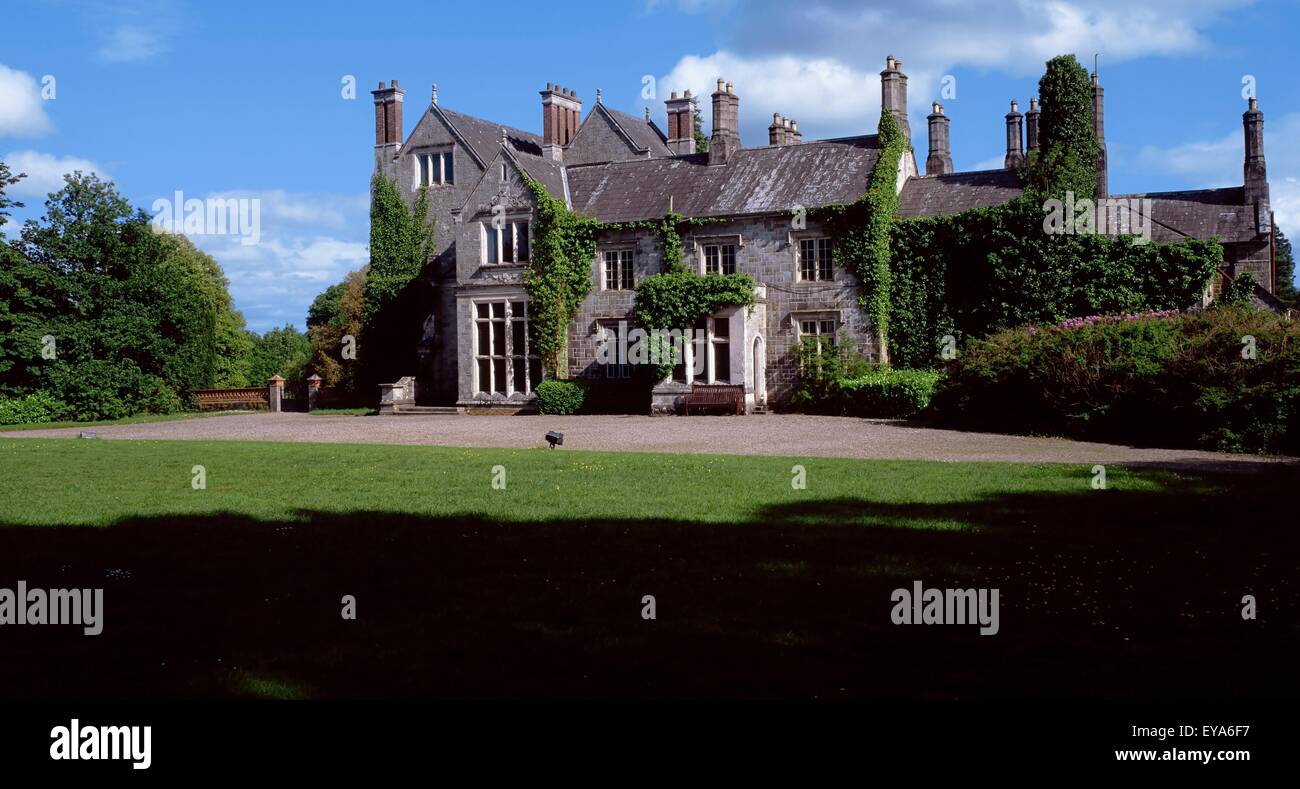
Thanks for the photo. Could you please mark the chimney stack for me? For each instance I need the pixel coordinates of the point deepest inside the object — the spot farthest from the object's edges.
(388, 114)
(940, 159)
(561, 115)
(681, 124)
(1015, 154)
(776, 132)
(1099, 127)
(793, 135)
(893, 94)
(726, 124)
(1031, 127)
(1254, 171)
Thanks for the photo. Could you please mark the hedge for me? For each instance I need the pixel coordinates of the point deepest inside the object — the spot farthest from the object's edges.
(560, 397)
(1225, 379)
(887, 392)
(35, 408)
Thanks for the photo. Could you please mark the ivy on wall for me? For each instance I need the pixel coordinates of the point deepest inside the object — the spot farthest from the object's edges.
(558, 276)
(861, 231)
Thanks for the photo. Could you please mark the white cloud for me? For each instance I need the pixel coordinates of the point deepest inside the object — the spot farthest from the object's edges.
(1204, 164)
(303, 249)
(130, 43)
(837, 47)
(45, 171)
(22, 111)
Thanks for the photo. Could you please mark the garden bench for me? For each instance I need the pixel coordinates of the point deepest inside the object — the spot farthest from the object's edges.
(715, 395)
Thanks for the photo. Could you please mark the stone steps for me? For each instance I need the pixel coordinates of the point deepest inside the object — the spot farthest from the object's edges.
(426, 410)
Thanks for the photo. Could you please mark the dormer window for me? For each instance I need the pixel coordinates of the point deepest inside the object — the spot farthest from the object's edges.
(437, 169)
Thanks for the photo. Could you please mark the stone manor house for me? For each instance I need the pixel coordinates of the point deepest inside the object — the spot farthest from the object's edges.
(618, 168)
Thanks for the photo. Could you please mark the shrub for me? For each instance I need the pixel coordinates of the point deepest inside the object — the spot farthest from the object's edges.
(35, 408)
(1181, 381)
(886, 392)
(560, 397)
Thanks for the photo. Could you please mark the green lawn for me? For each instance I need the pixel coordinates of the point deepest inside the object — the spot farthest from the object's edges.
(761, 589)
(129, 420)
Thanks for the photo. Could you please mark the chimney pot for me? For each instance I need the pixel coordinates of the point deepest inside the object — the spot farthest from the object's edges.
(674, 95)
(721, 85)
(688, 93)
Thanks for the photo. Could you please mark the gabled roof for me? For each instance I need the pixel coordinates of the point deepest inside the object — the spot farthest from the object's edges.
(483, 137)
(940, 195)
(1200, 213)
(642, 133)
(754, 181)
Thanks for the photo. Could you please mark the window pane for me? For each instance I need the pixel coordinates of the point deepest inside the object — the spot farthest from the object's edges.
(482, 309)
(521, 381)
(807, 259)
(522, 233)
(517, 338)
(828, 327)
(721, 327)
(808, 327)
(498, 338)
(710, 260)
(627, 269)
(449, 167)
(517, 310)
(499, 376)
(729, 259)
(534, 373)
(483, 384)
(722, 362)
(490, 256)
(611, 270)
(498, 309)
(508, 244)
(483, 347)
(824, 272)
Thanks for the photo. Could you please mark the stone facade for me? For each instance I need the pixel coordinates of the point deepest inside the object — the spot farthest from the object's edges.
(618, 168)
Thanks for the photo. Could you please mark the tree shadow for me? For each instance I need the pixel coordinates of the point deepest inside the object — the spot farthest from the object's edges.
(1103, 593)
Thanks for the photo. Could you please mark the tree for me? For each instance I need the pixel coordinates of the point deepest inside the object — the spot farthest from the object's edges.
(333, 326)
(1067, 158)
(396, 297)
(7, 180)
(131, 314)
(1286, 290)
(282, 351)
(701, 142)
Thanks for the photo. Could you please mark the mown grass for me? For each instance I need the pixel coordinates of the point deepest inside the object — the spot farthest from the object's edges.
(536, 590)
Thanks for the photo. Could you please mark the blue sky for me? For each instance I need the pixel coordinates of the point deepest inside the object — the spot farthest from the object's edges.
(245, 99)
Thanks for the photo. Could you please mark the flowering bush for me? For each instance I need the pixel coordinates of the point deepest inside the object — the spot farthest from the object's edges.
(1092, 320)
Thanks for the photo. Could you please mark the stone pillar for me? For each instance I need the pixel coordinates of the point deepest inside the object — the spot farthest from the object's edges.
(313, 390)
(274, 391)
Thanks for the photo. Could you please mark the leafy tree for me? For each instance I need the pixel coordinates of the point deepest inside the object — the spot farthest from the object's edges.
(132, 313)
(7, 179)
(335, 315)
(283, 351)
(701, 142)
(1067, 158)
(396, 298)
(1286, 290)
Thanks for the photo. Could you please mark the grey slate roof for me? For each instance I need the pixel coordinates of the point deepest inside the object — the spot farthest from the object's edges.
(642, 132)
(1200, 213)
(936, 195)
(485, 136)
(754, 181)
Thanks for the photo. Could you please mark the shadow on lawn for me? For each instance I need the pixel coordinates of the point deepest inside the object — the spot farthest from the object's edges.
(1104, 593)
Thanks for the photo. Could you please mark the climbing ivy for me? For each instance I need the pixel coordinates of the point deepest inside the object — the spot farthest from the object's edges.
(558, 276)
(861, 230)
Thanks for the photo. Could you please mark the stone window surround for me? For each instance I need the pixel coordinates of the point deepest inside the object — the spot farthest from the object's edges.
(422, 162)
(808, 235)
(511, 219)
(510, 356)
(627, 246)
(700, 242)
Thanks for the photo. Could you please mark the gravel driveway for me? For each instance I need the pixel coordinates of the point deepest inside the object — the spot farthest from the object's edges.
(787, 435)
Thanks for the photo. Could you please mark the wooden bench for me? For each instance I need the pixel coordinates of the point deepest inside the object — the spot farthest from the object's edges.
(715, 396)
